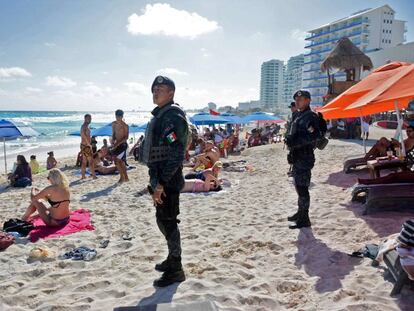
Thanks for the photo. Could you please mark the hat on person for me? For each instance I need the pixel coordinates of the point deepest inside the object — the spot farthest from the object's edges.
(302, 93)
(407, 233)
(292, 104)
(218, 164)
(210, 142)
(162, 80)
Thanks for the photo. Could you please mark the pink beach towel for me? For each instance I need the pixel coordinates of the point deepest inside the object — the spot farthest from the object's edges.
(79, 220)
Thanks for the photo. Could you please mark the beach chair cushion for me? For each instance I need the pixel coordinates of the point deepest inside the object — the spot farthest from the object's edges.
(351, 163)
(395, 197)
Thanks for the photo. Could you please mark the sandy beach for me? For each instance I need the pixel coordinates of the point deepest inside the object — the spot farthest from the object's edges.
(237, 250)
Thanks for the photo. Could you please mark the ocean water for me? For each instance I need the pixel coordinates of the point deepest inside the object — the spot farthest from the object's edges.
(55, 127)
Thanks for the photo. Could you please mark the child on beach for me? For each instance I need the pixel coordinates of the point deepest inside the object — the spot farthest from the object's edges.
(34, 165)
(51, 161)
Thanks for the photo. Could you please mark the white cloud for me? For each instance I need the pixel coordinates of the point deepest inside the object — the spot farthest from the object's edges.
(92, 90)
(33, 90)
(14, 72)
(137, 88)
(172, 71)
(50, 44)
(60, 82)
(162, 19)
(298, 34)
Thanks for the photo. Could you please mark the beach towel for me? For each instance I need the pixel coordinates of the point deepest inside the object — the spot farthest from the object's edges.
(79, 220)
(88, 172)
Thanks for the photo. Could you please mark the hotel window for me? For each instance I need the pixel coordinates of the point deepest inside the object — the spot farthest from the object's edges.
(390, 21)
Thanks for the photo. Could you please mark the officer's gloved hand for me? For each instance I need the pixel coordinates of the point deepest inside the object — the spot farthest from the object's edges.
(288, 141)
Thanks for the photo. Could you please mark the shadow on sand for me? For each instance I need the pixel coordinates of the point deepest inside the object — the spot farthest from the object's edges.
(92, 195)
(318, 259)
(161, 295)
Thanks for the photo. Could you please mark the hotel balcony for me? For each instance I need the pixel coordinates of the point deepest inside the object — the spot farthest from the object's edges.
(337, 28)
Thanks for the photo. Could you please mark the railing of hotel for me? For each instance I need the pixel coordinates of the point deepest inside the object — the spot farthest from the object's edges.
(355, 41)
(340, 74)
(311, 36)
(315, 86)
(354, 33)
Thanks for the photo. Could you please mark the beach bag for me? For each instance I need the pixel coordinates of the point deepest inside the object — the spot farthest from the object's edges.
(17, 225)
(5, 240)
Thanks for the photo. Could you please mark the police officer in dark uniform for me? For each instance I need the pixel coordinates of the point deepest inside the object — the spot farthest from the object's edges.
(292, 118)
(301, 141)
(163, 151)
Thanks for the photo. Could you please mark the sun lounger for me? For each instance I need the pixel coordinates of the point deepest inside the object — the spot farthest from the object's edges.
(392, 260)
(360, 191)
(353, 162)
(199, 306)
(394, 197)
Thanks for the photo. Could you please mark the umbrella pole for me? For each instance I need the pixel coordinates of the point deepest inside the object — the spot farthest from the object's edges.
(363, 135)
(4, 150)
(399, 128)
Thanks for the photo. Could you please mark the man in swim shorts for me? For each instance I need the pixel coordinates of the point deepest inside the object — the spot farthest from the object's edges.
(86, 147)
(120, 133)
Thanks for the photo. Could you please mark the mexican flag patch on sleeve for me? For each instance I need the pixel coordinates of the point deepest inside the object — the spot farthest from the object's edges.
(172, 137)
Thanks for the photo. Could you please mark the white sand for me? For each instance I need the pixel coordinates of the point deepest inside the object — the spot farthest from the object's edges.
(237, 250)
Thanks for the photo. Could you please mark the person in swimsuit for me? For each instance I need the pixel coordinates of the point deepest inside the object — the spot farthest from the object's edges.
(214, 172)
(51, 161)
(209, 157)
(120, 133)
(86, 147)
(198, 185)
(58, 197)
(99, 164)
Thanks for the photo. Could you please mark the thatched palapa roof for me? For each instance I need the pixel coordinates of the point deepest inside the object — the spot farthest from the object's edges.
(346, 56)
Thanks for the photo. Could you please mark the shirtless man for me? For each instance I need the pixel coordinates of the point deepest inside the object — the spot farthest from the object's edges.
(210, 156)
(120, 133)
(86, 147)
(99, 165)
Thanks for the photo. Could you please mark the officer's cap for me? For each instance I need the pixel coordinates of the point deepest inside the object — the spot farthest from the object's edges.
(302, 93)
(292, 104)
(161, 80)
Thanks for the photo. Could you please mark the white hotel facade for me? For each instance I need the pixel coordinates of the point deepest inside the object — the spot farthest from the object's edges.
(371, 30)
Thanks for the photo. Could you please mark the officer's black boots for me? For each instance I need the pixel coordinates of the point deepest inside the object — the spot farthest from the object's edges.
(173, 273)
(163, 266)
(294, 217)
(302, 221)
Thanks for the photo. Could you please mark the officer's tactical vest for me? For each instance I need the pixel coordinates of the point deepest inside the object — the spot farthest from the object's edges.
(149, 153)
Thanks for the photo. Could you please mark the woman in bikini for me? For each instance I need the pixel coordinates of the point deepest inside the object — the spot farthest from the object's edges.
(198, 185)
(57, 195)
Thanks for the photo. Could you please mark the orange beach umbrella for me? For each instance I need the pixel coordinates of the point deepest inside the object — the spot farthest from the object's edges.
(376, 93)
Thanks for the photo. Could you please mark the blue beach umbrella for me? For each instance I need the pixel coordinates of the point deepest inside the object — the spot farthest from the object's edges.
(261, 117)
(208, 119)
(233, 119)
(10, 131)
(106, 130)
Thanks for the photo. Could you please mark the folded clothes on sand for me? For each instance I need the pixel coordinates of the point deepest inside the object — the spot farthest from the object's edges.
(79, 220)
(80, 253)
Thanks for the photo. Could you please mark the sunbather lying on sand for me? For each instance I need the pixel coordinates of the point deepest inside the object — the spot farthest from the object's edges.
(57, 195)
(214, 171)
(198, 185)
(208, 158)
(99, 164)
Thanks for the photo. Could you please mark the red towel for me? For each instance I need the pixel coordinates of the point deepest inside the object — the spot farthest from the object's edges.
(79, 220)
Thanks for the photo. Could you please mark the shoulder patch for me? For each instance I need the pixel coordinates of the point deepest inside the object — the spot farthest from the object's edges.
(172, 137)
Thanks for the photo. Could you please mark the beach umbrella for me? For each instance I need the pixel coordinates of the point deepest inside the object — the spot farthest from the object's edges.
(10, 131)
(208, 119)
(262, 117)
(390, 87)
(106, 130)
(233, 119)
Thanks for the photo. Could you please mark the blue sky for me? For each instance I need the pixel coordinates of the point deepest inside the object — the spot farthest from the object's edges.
(103, 55)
